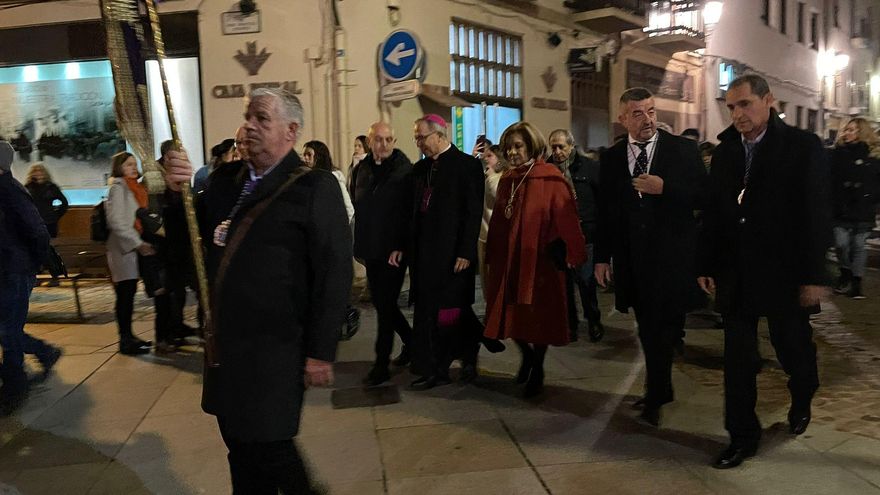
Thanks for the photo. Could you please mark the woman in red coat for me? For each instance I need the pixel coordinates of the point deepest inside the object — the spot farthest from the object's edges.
(534, 236)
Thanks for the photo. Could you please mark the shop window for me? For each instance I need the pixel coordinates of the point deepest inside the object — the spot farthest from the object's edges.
(63, 115)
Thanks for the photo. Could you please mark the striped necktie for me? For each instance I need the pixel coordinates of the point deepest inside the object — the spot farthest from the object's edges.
(750, 153)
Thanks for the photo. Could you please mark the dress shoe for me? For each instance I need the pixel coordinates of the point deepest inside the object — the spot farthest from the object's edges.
(429, 382)
(798, 420)
(402, 359)
(48, 361)
(639, 404)
(535, 383)
(134, 346)
(468, 373)
(165, 347)
(377, 376)
(734, 455)
(596, 331)
(493, 346)
(651, 415)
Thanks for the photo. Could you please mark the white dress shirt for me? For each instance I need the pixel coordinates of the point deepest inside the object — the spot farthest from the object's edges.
(633, 150)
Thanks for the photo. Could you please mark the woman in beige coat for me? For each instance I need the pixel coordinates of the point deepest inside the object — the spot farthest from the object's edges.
(124, 244)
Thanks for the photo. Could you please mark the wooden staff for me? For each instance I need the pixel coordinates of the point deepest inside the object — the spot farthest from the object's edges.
(185, 188)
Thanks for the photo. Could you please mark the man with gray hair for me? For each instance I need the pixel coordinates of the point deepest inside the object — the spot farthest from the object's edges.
(583, 176)
(447, 210)
(651, 184)
(279, 266)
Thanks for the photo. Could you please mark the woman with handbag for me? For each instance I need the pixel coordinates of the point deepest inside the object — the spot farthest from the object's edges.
(534, 236)
(124, 244)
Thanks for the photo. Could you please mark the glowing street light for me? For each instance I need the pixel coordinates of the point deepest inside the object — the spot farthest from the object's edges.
(712, 12)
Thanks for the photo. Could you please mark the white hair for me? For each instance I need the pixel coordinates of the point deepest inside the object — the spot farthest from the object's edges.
(289, 105)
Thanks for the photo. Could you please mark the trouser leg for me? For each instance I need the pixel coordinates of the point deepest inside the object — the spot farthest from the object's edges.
(124, 306)
(385, 282)
(265, 467)
(16, 290)
(742, 362)
(657, 334)
(163, 306)
(571, 306)
(859, 251)
(588, 289)
(792, 338)
(842, 240)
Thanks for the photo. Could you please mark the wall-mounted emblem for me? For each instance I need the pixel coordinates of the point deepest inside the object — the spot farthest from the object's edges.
(549, 78)
(251, 60)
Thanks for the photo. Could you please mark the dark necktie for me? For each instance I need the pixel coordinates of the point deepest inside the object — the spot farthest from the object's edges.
(641, 166)
(750, 153)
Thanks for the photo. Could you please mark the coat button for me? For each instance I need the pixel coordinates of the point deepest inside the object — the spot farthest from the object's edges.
(742, 220)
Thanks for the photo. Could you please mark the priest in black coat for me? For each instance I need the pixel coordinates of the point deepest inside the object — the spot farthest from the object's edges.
(767, 226)
(447, 188)
(651, 185)
(280, 281)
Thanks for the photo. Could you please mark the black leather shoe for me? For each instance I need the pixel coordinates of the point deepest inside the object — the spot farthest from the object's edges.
(48, 361)
(798, 420)
(402, 359)
(651, 416)
(468, 373)
(135, 346)
(493, 346)
(429, 382)
(596, 331)
(377, 376)
(734, 455)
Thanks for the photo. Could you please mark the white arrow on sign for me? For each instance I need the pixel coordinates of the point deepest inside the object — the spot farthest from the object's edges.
(398, 53)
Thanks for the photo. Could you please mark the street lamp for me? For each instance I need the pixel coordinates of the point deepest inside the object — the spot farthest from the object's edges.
(712, 12)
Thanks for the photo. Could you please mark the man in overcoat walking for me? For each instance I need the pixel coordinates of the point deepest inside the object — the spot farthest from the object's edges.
(380, 192)
(442, 255)
(651, 182)
(279, 265)
(766, 229)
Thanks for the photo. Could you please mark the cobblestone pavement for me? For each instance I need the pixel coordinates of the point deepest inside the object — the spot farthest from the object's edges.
(107, 423)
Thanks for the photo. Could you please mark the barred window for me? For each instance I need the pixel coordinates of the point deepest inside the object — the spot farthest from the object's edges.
(485, 63)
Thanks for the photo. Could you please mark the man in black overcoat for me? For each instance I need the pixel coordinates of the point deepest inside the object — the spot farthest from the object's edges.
(279, 292)
(651, 183)
(766, 229)
(583, 176)
(447, 190)
(380, 191)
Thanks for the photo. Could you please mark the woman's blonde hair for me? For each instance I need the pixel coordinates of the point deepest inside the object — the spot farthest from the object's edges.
(535, 142)
(38, 167)
(865, 135)
(116, 163)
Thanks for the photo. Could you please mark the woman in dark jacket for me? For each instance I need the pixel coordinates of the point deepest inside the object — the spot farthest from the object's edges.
(45, 193)
(856, 179)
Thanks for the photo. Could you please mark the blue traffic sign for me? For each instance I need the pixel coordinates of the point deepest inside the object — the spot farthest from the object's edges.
(400, 55)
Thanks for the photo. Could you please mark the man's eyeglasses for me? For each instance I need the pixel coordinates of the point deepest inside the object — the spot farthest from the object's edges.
(418, 138)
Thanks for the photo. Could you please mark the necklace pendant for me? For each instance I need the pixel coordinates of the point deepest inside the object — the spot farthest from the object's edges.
(221, 232)
(508, 211)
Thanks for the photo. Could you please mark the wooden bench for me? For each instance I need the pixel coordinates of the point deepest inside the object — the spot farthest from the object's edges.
(73, 278)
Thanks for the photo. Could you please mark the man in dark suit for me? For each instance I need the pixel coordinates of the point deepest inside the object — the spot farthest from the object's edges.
(380, 192)
(442, 255)
(279, 265)
(583, 176)
(766, 229)
(651, 181)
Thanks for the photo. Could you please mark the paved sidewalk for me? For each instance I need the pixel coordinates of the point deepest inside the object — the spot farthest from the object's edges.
(107, 423)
